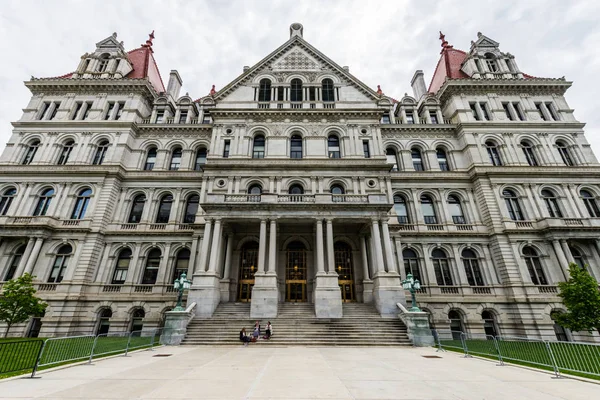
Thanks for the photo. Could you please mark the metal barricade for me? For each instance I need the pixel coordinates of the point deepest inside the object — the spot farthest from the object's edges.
(109, 343)
(534, 352)
(582, 358)
(142, 339)
(62, 350)
(19, 355)
(481, 345)
(450, 340)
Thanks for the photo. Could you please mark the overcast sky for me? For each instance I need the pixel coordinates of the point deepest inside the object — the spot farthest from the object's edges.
(383, 42)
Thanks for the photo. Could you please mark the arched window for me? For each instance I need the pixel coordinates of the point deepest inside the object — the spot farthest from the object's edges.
(411, 264)
(456, 324)
(254, 192)
(103, 62)
(6, 200)
(529, 153)
(176, 159)
(296, 90)
(101, 150)
(81, 204)
(150, 159)
(14, 262)
(61, 262)
(490, 61)
(30, 153)
(429, 215)
(121, 268)
(564, 152)
(191, 209)
(337, 192)
(559, 330)
(471, 264)
(513, 205)
(551, 203)
(164, 209)
(43, 202)
(441, 266)
(456, 210)
(182, 263)
(137, 208)
(401, 209)
(588, 199)
(392, 159)
(137, 320)
(337, 189)
(258, 149)
(104, 321)
(200, 159)
(264, 90)
(327, 93)
(493, 153)
(66, 152)
(534, 266)
(578, 257)
(489, 323)
(151, 269)
(296, 146)
(417, 159)
(442, 159)
(333, 146)
(296, 189)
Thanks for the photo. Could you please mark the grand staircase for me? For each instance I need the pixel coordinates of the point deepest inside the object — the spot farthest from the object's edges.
(296, 324)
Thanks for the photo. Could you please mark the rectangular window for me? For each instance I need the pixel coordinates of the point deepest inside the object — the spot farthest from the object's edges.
(183, 116)
(311, 94)
(56, 107)
(485, 111)
(226, 149)
(433, 117)
(88, 108)
(366, 149)
(385, 119)
(474, 111)
(280, 93)
(538, 106)
(410, 117)
(43, 110)
(552, 111)
(120, 108)
(78, 106)
(111, 107)
(507, 111)
(160, 116)
(519, 111)
(206, 119)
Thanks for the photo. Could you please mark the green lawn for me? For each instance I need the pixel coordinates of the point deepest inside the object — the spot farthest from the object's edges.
(18, 358)
(571, 358)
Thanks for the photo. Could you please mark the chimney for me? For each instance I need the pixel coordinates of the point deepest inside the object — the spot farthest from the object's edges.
(418, 84)
(174, 85)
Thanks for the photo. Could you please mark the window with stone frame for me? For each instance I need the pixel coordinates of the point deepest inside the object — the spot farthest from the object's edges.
(121, 267)
(61, 262)
(6, 200)
(151, 269)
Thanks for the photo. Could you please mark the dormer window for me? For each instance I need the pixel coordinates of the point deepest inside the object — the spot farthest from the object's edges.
(385, 119)
(433, 117)
(327, 90)
(183, 116)
(491, 62)
(160, 116)
(264, 90)
(103, 62)
(410, 117)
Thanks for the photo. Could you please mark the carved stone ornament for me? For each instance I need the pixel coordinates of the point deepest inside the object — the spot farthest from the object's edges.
(296, 60)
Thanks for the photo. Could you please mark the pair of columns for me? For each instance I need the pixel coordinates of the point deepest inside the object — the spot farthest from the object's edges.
(321, 247)
(30, 256)
(378, 252)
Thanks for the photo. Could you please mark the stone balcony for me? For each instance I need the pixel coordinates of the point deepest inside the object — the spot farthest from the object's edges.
(483, 291)
(378, 199)
(147, 227)
(553, 223)
(438, 228)
(45, 222)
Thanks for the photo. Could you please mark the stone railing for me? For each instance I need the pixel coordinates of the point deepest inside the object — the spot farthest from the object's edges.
(45, 221)
(128, 288)
(553, 223)
(447, 227)
(296, 198)
(319, 198)
(144, 226)
(171, 120)
(460, 290)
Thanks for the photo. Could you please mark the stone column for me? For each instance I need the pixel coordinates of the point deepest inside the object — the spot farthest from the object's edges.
(367, 282)
(34, 255)
(389, 257)
(225, 281)
(330, 255)
(320, 252)
(265, 296)
(25, 257)
(399, 258)
(193, 253)
(564, 264)
(205, 246)
(215, 247)
(567, 251)
(378, 255)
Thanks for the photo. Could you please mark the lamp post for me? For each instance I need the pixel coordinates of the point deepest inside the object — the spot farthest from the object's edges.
(412, 285)
(180, 285)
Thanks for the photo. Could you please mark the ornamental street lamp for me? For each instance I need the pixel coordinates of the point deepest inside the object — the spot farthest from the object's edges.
(412, 285)
(180, 285)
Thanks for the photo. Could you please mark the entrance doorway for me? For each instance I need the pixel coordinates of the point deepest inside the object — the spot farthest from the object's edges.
(343, 266)
(295, 272)
(248, 262)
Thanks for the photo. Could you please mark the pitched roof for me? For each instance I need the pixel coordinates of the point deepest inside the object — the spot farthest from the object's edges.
(448, 66)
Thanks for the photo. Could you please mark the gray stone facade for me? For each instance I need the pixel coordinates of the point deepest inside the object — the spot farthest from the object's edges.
(297, 182)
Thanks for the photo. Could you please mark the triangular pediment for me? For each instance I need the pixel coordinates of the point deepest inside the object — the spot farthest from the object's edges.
(110, 44)
(296, 56)
(485, 42)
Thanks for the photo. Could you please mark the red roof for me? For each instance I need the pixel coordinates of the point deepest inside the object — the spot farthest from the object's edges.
(448, 66)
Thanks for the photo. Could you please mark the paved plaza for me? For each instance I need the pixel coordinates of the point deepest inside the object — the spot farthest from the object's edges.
(261, 372)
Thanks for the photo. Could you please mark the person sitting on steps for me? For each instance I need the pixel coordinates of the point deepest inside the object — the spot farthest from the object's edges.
(243, 337)
(268, 330)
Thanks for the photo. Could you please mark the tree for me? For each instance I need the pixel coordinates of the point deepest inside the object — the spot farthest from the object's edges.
(581, 296)
(18, 301)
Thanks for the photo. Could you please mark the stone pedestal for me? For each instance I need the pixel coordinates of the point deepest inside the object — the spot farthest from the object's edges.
(367, 291)
(175, 327)
(264, 296)
(328, 297)
(417, 327)
(206, 292)
(225, 294)
(387, 292)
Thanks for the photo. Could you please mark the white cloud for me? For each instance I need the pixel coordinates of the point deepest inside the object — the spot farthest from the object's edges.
(383, 42)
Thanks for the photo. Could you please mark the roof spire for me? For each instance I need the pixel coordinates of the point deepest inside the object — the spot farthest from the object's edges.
(445, 44)
(150, 38)
(212, 91)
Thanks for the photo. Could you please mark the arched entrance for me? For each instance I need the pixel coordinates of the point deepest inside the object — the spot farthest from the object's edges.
(295, 272)
(343, 266)
(248, 262)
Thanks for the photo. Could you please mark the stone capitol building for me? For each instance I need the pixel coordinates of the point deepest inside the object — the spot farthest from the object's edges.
(298, 183)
